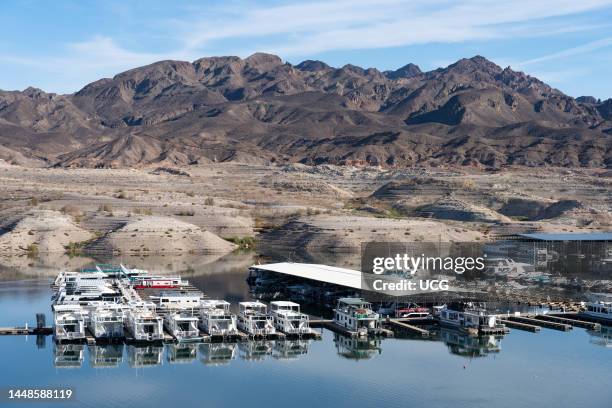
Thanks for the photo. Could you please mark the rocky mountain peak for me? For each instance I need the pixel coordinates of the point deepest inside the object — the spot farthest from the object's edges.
(262, 61)
(407, 71)
(312, 66)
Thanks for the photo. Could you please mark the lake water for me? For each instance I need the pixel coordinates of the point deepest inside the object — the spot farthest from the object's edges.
(547, 369)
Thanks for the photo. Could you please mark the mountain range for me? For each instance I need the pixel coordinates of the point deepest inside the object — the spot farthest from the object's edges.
(261, 110)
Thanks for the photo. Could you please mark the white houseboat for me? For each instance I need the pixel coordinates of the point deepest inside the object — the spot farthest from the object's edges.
(288, 318)
(253, 319)
(85, 292)
(106, 321)
(601, 310)
(156, 282)
(177, 300)
(356, 315)
(144, 324)
(470, 320)
(216, 318)
(69, 322)
(182, 325)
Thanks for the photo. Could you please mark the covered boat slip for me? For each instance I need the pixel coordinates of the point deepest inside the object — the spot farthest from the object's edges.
(330, 279)
(322, 273)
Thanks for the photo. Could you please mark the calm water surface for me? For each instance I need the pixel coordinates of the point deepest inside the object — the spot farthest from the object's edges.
(548, 369)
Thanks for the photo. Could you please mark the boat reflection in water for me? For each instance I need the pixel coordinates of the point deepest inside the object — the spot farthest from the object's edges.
(68, 355)
(145, 355)
(105, 355)
(290, 349)
(255, 350)
(354, 348)
(357, 348)
(462, 344)
(217, 353)
(182, 353)
(602, 337)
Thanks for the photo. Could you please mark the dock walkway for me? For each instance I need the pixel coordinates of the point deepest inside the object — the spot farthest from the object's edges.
(405, 326)
(543, 323)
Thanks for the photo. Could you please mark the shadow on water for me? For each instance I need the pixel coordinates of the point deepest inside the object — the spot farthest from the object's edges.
(220, 354)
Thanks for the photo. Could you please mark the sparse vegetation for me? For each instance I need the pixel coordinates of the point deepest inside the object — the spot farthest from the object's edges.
(185, 213)
(143, 211)
(243, 242)
(32, 250)
(105, 208)
(74, 248)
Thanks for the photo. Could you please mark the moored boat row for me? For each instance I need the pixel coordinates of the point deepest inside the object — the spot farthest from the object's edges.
(130, 304)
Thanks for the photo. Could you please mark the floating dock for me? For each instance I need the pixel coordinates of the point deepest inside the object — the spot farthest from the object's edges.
(572, 322)
(408, 327)
(543, 323)
(584, 318)
(22, 331)
(520, 326)
(336, 328)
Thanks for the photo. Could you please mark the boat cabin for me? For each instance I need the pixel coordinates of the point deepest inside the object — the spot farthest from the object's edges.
(216, 318)
(356, 315)
(106, 321)
(468, 319)
(602, 310)
(177, 300)
(253, 319)
(183, 326)
(288, 318)
(144, 324)
(69, 322)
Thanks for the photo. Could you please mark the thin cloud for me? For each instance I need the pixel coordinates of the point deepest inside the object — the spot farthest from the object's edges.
(570, 52)
(308, 28)
(326, 26)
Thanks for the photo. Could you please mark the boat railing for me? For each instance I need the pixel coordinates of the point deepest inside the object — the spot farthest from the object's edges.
(187, 333)
(63, 333)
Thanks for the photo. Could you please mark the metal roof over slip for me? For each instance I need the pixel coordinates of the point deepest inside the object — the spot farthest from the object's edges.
(569, 236)
(322, 273)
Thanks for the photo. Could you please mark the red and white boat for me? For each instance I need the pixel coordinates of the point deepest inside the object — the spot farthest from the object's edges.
(157, 282)
(413, 312)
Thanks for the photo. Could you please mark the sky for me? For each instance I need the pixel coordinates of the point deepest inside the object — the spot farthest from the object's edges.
(61, 46)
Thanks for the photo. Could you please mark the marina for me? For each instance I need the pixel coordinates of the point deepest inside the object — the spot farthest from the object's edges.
(114, 303)
(101, 365)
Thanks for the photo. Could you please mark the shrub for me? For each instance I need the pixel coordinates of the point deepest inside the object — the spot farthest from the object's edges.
(185, 213)
(243, 242)
(105, 208)
(32, 250)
